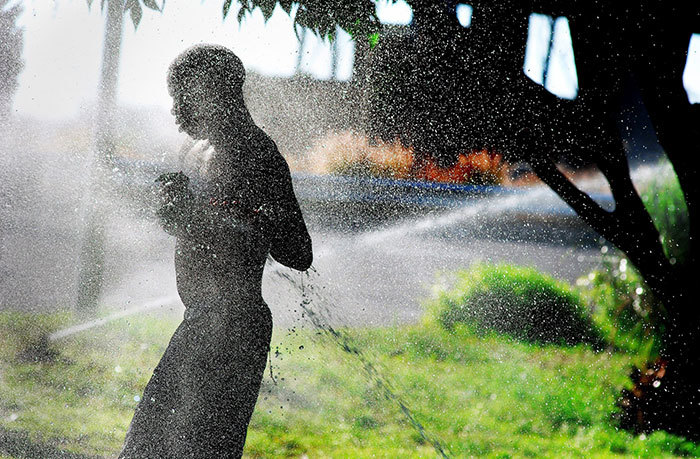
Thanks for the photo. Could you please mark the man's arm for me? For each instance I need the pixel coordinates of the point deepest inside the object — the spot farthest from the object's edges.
(184, 215)
(290, 242)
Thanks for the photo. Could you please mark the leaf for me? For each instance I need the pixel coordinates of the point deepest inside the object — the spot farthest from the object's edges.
(332, 34)
(227, 7)
(267, 7)
(286, 5)
(136, 12)
(373, 39)
(152, 5)
(358, 18)
(241, 13)
(300, 18)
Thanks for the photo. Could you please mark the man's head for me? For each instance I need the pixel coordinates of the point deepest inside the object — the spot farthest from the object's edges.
(206, 84)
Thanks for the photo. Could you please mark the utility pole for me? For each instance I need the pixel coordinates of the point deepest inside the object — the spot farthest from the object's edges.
(548, 57)
(107, 90)
(92, 255)
(335, 51)
(300, 54)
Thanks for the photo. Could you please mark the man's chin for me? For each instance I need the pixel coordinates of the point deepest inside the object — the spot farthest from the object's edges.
(190, 132)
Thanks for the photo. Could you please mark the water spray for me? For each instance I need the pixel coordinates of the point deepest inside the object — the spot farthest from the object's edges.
(320, 318)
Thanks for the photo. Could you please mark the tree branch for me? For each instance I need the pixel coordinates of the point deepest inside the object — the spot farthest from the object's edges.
(590, 211)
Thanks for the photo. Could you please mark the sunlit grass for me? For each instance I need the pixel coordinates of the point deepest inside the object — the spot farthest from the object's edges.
(479, 395)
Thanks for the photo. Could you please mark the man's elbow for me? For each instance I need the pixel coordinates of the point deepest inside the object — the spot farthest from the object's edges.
(303, 261)
(306, 261)
(296, 259)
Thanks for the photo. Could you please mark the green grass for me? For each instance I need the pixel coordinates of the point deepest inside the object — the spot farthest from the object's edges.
(481, 395)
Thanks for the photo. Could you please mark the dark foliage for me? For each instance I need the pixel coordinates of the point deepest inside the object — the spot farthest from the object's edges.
(10, 56)
(460, 88)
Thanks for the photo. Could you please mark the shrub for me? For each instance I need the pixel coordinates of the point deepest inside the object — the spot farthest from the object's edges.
(353, 154)
(623, 308)
(663, 199)
(518, 301)
(11, 63)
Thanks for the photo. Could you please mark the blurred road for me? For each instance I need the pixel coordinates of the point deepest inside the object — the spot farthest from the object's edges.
(372, 271)
(386, 282)
(376, 275)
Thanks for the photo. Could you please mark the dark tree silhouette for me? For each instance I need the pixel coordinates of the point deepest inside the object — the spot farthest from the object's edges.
(10, 56)
(453, 88)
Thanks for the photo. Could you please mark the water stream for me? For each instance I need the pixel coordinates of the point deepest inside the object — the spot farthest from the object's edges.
(317, 311)
(317, 307)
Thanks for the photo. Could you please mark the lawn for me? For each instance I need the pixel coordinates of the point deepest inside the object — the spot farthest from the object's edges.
(386, 392)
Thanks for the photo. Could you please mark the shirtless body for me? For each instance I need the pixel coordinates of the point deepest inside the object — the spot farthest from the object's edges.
(201, 396)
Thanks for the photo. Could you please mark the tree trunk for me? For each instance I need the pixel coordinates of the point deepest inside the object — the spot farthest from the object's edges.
(666, 394)
(650, 44)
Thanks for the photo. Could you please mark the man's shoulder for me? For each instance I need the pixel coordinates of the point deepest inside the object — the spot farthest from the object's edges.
(271, 158)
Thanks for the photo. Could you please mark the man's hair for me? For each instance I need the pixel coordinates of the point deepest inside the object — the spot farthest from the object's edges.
(214, 66)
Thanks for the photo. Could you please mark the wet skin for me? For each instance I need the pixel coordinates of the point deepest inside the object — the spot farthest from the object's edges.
(201, 396)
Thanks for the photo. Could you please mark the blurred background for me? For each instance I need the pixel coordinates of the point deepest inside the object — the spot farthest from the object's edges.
(308, 94)
(86, 128)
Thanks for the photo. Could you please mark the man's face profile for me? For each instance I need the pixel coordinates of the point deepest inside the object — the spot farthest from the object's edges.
(206, 83)
(190, 108)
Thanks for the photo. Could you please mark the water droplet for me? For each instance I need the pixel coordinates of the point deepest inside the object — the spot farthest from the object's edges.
(117, 369)
(604, 249)
(137, 398)
(639, 290)
(656, 383)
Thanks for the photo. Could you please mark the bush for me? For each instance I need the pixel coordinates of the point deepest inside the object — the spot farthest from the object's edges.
(623, 308)
(518, 301)
(663, 199)
(11, 63)
(354, 155)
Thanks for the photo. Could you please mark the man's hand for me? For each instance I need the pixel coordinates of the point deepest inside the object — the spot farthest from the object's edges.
(173, 188)
(174, 197)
